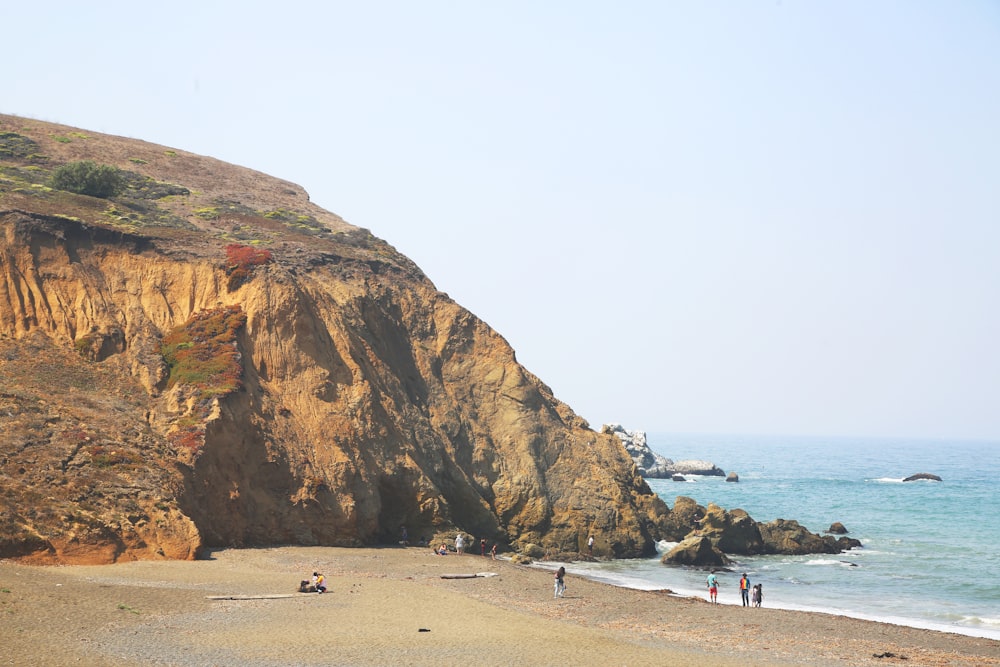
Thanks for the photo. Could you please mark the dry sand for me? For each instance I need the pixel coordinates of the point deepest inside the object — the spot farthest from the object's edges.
(380, 600)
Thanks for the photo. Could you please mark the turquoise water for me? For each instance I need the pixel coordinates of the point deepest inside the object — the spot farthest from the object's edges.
(931, 554)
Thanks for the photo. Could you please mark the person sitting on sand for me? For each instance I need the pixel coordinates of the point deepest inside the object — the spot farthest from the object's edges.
(442, 550)
(319, 582)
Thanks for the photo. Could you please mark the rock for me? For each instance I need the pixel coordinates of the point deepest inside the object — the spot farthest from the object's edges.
(696, 467)
(533, 551)
(732, 531)
(837, 528)
(695, 551)
(649, 463)
(923, 475)
(684, 517)
(789, 537)
(678, 478)
(732, 477)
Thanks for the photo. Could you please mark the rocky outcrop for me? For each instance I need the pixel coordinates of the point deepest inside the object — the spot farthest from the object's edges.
(648, 463)
(732, 531)
(338, 397)
(651, 464)
(837, 528)
(922, 475)
(788, 537)
(732, 477)
(735, 532)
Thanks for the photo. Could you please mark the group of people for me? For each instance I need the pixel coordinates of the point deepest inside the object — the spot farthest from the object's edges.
(460, 547)
(751, 595)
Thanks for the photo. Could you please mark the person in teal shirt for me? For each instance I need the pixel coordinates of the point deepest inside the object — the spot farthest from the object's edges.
(713, 587)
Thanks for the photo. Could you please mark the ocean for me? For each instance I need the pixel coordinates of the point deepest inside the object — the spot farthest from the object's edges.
(931, 550)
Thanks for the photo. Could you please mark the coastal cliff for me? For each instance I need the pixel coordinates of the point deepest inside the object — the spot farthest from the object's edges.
(206, 358)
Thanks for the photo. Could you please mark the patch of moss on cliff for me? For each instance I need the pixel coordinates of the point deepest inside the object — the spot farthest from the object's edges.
(203, 352)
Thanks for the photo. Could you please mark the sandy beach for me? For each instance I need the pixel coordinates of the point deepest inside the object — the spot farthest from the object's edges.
(392, 606)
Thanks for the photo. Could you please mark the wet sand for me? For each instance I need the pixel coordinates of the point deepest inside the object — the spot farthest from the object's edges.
(390, 606)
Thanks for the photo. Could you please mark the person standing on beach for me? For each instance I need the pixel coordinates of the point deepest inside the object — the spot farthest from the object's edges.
(713, 587)
(560, 582)
(758, 595)
(460, 544)
(745, 589)
(482, 547)
(590, 545)
(493, 551)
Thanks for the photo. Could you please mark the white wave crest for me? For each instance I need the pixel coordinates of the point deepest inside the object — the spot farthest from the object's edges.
(663, 546)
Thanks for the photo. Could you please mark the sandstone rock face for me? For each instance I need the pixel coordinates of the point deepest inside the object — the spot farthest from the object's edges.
(363, 398)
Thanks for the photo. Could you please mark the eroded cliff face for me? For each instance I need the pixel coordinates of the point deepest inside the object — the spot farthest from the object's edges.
(367, 399)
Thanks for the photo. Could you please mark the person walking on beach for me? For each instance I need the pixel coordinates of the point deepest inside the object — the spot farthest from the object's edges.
(560, 582)
(758, 595)
(745, 589)
(713, 587)
(460, 544)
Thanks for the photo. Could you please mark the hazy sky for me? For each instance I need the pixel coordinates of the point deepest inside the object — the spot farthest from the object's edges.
(718, 217)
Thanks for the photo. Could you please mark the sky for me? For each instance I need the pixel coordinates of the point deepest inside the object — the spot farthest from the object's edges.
(686, 217)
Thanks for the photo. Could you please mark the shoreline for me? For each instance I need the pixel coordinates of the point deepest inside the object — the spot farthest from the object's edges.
(391, 605)
(918, 624)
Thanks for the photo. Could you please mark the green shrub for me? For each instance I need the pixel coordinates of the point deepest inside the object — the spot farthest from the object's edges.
(89, 178)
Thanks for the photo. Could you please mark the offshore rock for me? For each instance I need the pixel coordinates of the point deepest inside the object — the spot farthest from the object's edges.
(208, 359)
(736, 532)
(651, 464)
(732, 477)
(646, 461)
(788, 537)
(696, 467)
(922, 475)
